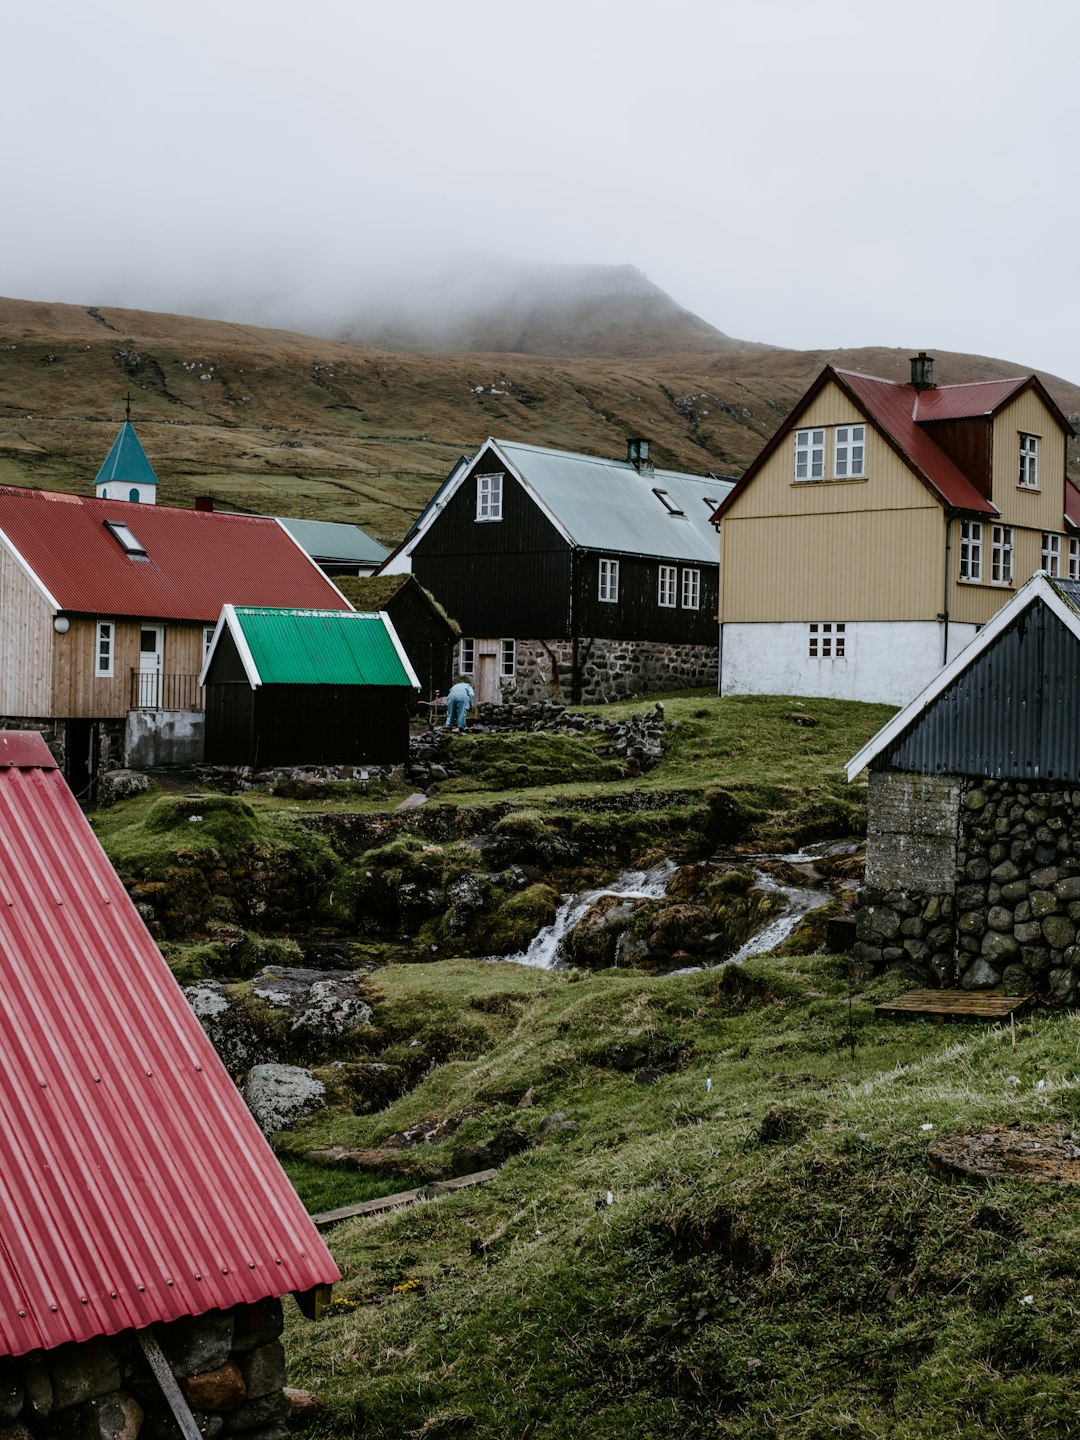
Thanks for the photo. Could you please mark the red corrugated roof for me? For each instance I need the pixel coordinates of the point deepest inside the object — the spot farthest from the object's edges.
(135, 1186)
(891, 406)
(197, 560)
(964, 402)
(1072, 506)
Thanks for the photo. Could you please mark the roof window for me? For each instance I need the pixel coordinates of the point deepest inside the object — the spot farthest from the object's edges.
(126, 540)
(671, 506)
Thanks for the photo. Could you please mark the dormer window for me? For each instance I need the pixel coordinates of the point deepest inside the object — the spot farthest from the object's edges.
(126, 540)
(1029, 462)
(670, 505)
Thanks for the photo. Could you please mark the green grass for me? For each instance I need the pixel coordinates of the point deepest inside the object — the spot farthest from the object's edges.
(775, 1258)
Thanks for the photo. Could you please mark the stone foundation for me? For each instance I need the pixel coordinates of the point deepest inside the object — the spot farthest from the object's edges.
(608, 669)
(229, 1364)
(974, 883)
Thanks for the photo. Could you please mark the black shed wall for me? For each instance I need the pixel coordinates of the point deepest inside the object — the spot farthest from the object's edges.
(307, 724)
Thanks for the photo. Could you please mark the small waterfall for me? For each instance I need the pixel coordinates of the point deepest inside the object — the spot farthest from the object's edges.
(544, 950)
(798, 902)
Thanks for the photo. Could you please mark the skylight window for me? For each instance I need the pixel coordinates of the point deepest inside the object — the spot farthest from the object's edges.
(126, 540)
(670, 505)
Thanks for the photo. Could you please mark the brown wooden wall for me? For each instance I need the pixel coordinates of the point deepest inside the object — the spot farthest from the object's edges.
(78, 693)
(26, 642)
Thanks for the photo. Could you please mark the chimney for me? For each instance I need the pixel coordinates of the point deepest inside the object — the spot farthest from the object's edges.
(206, 502)
(637, 453)
(922, 371)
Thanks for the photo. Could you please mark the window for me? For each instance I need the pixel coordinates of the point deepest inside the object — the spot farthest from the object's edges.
(665, 591)
(126, 539)
(1001, 555)
(809, 454)
(1074, 558)
(1029, 461)
(849, 452)
(103, 662)
(133, 494)
(670, 505)
(467, 657)
(609, 582)
(691, 589)
(1051, 553)
(489, 497)
(507, 657)
(827, 640)
(207, 640)
(970, 549)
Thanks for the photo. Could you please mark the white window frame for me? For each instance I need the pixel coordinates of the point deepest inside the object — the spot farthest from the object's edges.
(466, 657)
(691, 589)
(507, 659)
(1074, 558)
(207, 640)
(971, 546)
(489, 497)
(1051, 553)
(849, 452)
(608, 582)
(827, 640)
(667, 586)
(1001, 555)
(810, 455)
(1029, 462)
(104, 644)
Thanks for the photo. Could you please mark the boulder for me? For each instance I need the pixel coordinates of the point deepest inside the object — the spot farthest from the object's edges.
(279, 1095)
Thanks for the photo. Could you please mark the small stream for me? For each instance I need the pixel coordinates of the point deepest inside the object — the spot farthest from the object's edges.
(545, 950)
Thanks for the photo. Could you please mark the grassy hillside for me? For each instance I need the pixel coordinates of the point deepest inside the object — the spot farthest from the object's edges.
(294, 425)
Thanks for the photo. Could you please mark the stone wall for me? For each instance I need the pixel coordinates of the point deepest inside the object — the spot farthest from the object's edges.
(230, 1366)
(1005, 911)
(609, 669)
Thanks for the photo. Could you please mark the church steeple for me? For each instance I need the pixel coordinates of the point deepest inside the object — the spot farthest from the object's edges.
(127, 474)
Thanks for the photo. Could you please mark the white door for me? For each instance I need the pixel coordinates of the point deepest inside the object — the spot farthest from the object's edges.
(151, 653)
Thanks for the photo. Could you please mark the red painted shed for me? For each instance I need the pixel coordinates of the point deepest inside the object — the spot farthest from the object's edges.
(135, 1186)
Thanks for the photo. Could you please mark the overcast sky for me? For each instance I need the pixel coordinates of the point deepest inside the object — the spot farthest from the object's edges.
(810, 173)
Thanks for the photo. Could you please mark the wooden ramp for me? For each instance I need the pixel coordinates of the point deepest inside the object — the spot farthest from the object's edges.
(954, 1005)
(326, 1218)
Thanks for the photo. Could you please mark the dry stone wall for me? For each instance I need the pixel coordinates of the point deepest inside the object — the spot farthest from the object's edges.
(980, 890)
(609, 669)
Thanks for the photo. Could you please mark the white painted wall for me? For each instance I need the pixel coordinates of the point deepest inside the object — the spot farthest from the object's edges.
(888, 662)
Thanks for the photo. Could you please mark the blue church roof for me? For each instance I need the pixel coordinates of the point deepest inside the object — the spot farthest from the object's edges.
(127, 461)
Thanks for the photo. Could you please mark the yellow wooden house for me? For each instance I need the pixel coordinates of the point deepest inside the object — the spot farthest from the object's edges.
(883, 525)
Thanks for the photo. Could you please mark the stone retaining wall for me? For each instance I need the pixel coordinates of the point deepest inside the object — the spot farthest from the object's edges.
(230, 1366)
(609, 669)
(988, 897)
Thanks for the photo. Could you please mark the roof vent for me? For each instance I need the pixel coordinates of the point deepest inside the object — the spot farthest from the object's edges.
(922, 371)
(637, 453)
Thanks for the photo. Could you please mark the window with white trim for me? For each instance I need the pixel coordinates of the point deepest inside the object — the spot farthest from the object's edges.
(1029, 461)
(1074, 558)
(666, 586)
(971, 540)
(507, 658)
(1051, 553)
(609, 582)
(827, 640)
(207, 640)
(489, 497)
(103, 654)
(809, 454)
(849, 452)
(466, 657)
(691, 589)
(1001, 555)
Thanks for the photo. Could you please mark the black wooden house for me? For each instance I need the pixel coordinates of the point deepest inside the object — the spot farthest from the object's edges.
(428, 635)
(571, 575)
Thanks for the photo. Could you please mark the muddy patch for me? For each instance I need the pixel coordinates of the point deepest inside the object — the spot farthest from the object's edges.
(1007, 1152)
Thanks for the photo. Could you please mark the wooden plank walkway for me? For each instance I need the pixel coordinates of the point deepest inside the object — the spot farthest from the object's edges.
(404, 1197)
(954, 1005)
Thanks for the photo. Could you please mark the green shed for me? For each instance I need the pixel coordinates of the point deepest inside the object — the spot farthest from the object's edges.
(306, 687)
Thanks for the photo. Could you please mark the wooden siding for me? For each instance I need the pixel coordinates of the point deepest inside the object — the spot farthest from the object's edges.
(78, 693)
(862, 565)
(26, 644)
(1041, 509)
(307, 724)
(637, 614)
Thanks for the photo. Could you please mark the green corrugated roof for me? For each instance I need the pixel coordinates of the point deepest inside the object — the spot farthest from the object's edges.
(127, 461)
(320, 647)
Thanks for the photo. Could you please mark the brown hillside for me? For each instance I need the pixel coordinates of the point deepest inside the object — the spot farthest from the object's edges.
(289, 424)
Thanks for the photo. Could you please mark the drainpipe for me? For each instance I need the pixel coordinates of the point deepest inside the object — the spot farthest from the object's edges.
(575, 658)
(950, 516)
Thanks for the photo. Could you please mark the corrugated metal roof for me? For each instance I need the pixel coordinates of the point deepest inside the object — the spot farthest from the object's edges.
(135, 1186)
(127, 460)
(963, 402)
(197, 560)
(320, 647)
(610, 505)
(329, 540)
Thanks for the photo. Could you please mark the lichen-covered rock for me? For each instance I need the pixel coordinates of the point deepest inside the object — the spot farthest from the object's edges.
(230, 1029)
(117, 785)
(324, 1003)
(279, 1095)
